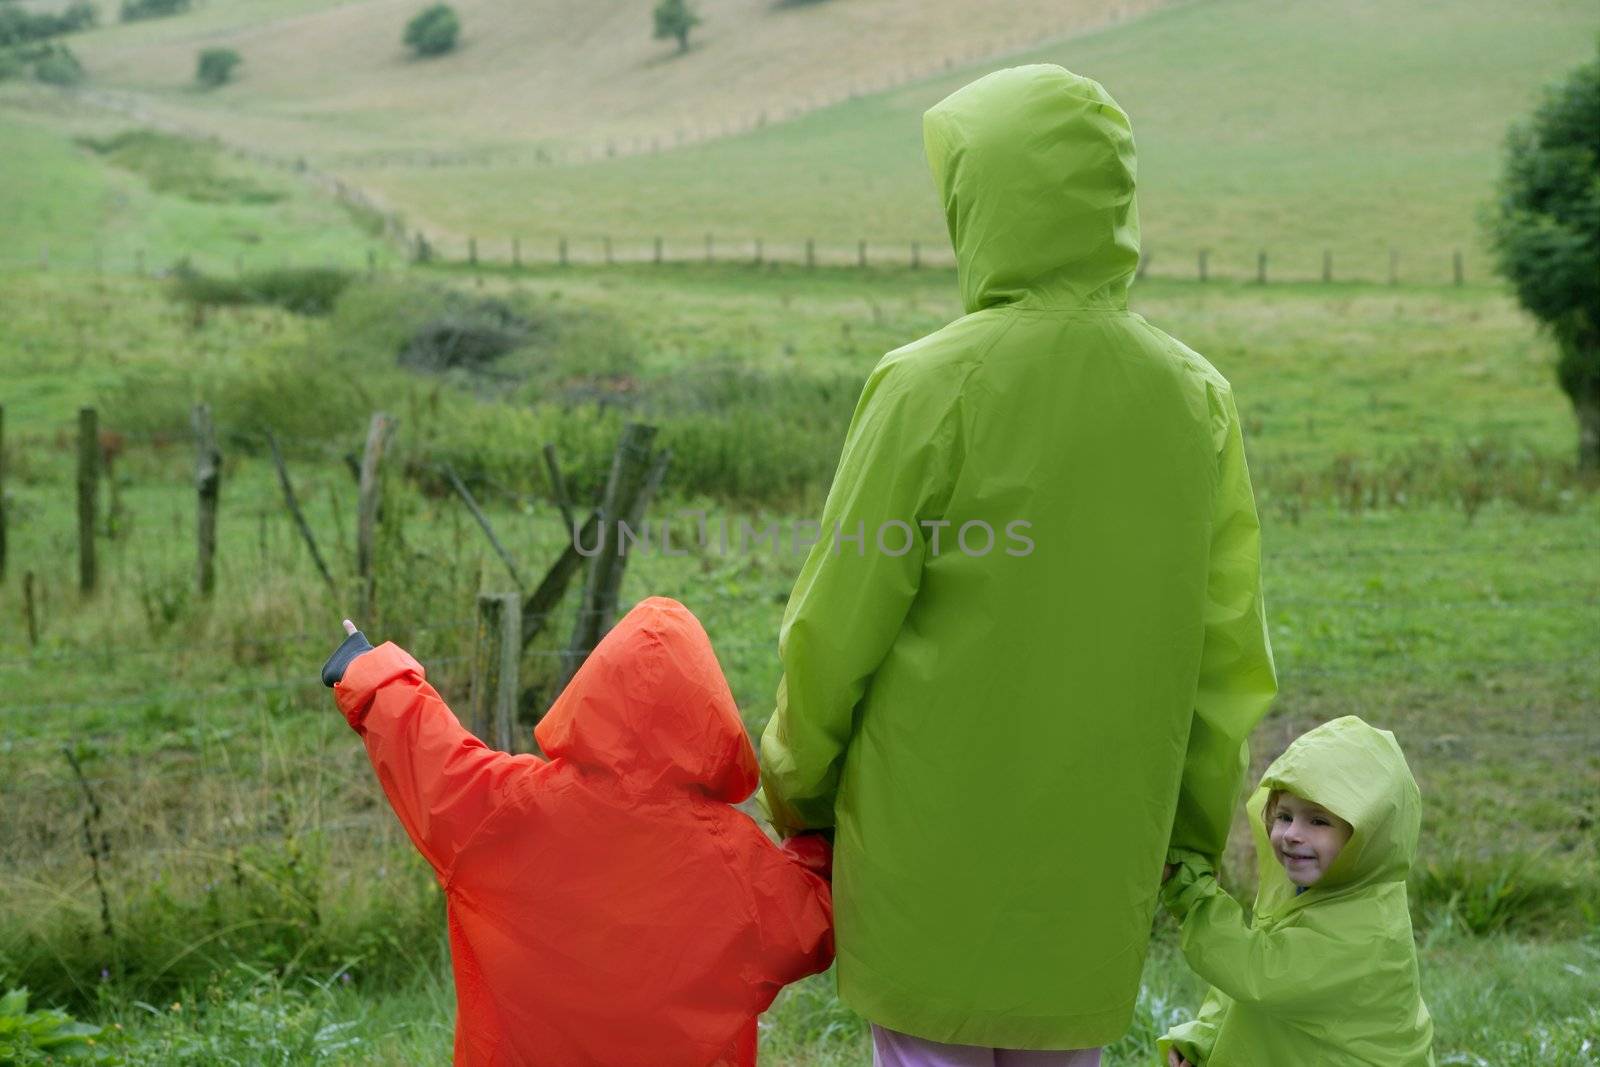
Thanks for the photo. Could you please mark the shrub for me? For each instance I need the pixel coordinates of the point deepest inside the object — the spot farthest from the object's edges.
(39, 1037)
(134, 10)
(433, 31)
(216, 66)
(58, 66)
(1546, 236)
(302, 290)
(192, 169)
(18, 26)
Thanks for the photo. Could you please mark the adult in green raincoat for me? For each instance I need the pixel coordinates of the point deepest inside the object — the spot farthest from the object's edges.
(1324, 977)
(1027, 651)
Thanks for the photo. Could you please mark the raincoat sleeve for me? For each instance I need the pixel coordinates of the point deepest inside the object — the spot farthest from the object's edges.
(792, 904)
(441, 781)
(1237, 678)
(1195, 1039)
(852, 595)
(1284, 967)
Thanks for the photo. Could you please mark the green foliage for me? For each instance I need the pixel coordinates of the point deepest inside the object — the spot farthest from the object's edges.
(43, 1037)
(1481, 895)
(1546, 232)
(20, 26)
(134, 10)
(185, 167)
(58, 66)
(467, 336)
(215, 66)
(302, 290)
(675, 18)
(433, 31)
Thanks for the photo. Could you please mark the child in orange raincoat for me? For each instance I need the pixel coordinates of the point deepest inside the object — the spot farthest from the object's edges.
(607, 907)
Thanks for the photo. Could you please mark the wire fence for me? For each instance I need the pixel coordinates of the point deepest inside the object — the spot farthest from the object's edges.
(1268, 263)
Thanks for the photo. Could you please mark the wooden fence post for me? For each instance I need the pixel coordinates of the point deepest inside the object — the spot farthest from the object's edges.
(472, 251)
(1460, 274)
(208, 485)
(811, 252)
(658, 250)
(630, 472)
(916, 255)
(1204, 254)
(2, 492)
(30, 610)
(299, 516)
(88, 489)
(1327, 266)
(494, 668)
(1261, 268)
(368, 496)
(483, 522)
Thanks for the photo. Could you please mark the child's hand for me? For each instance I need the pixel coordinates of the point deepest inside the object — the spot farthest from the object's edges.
(1166, 872)
(354, 645)
(1175, 1060)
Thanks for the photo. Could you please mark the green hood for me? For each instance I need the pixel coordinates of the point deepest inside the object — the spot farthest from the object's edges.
(1035, 169)
(1358, 773)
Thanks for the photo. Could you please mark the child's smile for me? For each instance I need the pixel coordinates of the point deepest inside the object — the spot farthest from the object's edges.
(1306, 838)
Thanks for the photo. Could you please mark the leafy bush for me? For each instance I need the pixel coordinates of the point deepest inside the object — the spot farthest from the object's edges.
(470, 338)
(18, 26)
(302, 290)
(134, 10)
(1546, 236)
(216, 66)
(40, 1037)
(433, 31)
(58, 66)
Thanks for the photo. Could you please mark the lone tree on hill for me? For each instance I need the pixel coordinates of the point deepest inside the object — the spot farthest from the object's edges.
(1545, 229)
(433, 32)
(215, 66)
(675, 18)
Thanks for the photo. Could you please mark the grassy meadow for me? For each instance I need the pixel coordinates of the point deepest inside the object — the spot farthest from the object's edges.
(195, 854)
(1431, 565)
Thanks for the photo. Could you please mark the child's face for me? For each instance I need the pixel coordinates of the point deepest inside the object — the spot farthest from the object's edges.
(1306, 838)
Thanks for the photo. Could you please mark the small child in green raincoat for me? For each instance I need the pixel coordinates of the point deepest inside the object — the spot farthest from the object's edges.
(1325, 974)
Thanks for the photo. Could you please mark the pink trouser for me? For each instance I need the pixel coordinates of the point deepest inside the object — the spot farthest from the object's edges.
(892, 1049)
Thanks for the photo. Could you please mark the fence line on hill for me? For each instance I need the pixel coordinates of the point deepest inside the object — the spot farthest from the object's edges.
(512, 254)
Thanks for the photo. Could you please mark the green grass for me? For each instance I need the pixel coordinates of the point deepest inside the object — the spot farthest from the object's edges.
(1379, 130)
(1494, 1001)
(121, 198)
(1447, 597)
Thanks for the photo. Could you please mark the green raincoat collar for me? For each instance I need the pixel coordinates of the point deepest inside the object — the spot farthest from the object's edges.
(1358, 773)
(1035, 169)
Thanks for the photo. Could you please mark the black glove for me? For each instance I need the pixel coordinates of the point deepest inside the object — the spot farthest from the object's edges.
(343, 656)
